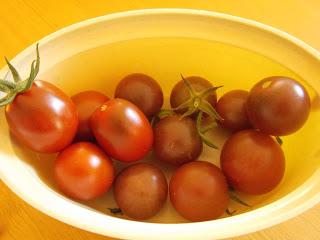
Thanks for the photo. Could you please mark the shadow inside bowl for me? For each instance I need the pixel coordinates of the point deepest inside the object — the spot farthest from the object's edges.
(41, 163)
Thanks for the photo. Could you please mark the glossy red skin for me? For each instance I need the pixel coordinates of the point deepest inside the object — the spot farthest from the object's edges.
(252, 162)
(43, 118)
(140, 190)
(122, 130)
(199, 191)
(143, 91)
(180, 93)
(278, 106)
(232, 108)
(83, 171)
(176, 140)
(87, 102)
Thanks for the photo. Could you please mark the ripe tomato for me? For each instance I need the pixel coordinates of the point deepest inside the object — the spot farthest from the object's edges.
(232, 108)
(143, 91)
(253, 162)
(43, 118)
(82, 171)
(199, 191)
(87, 102)
(278, 106)
(176, 140)
(180, 93)
(122, 130)
(140, 190)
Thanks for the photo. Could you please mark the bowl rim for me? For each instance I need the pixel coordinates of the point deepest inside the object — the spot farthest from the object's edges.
(175, 228)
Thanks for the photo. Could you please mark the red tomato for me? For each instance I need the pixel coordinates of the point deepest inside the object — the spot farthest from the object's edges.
(278, 106)
(87, 102)
(253, 162)
(122, 130)
(43, 118)
(198, 191)
(83, 171)
(232, 108)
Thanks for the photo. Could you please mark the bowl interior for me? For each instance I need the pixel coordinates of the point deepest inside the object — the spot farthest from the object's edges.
(225, 50)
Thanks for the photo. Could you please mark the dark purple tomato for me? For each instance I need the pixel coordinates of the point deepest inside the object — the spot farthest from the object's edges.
(278, 106)
(143, 91)
(176, 140)
(140, 190)
(232, 108)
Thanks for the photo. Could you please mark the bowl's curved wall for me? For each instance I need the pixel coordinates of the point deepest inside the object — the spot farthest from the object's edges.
(287, 50)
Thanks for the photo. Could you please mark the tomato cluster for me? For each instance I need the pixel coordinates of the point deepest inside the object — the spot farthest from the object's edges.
(90, 130)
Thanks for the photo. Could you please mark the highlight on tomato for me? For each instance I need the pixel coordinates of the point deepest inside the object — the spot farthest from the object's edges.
(39, 114)
(122, 130)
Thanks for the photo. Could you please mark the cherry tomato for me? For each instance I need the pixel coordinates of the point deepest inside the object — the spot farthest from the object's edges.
(278, 106)
(176, 140)
(82, 171)
(199, 191)
(232, 108)
(87, 102)
(140, 190)
(143, 91)
(43, 118)
(122, 130)
(253, 162)
(180, 93)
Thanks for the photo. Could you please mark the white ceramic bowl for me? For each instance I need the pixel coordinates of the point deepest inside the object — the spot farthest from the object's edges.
(25, 182)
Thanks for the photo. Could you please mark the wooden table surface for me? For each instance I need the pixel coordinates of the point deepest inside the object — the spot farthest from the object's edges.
(23, 22)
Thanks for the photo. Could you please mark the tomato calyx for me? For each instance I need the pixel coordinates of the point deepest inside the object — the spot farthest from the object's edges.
(203, 130)
(115, 211)
(198, 102)
(11, 89)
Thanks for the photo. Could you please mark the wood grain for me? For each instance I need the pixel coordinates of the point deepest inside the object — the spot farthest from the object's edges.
(23, 22)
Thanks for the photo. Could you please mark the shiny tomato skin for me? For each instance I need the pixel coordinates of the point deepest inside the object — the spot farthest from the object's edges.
(122, 130)
(43, 118)
(176, 140)
(140, 190)
(252, 162)
(232, 108)
(87, 102)
(278, 105)
(83, 171)
(199, 191)
(143, 91)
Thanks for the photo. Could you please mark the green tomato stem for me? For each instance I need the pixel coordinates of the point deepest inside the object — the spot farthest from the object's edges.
(13, 88)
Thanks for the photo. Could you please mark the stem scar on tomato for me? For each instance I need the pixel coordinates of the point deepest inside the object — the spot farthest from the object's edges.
(13, 88)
